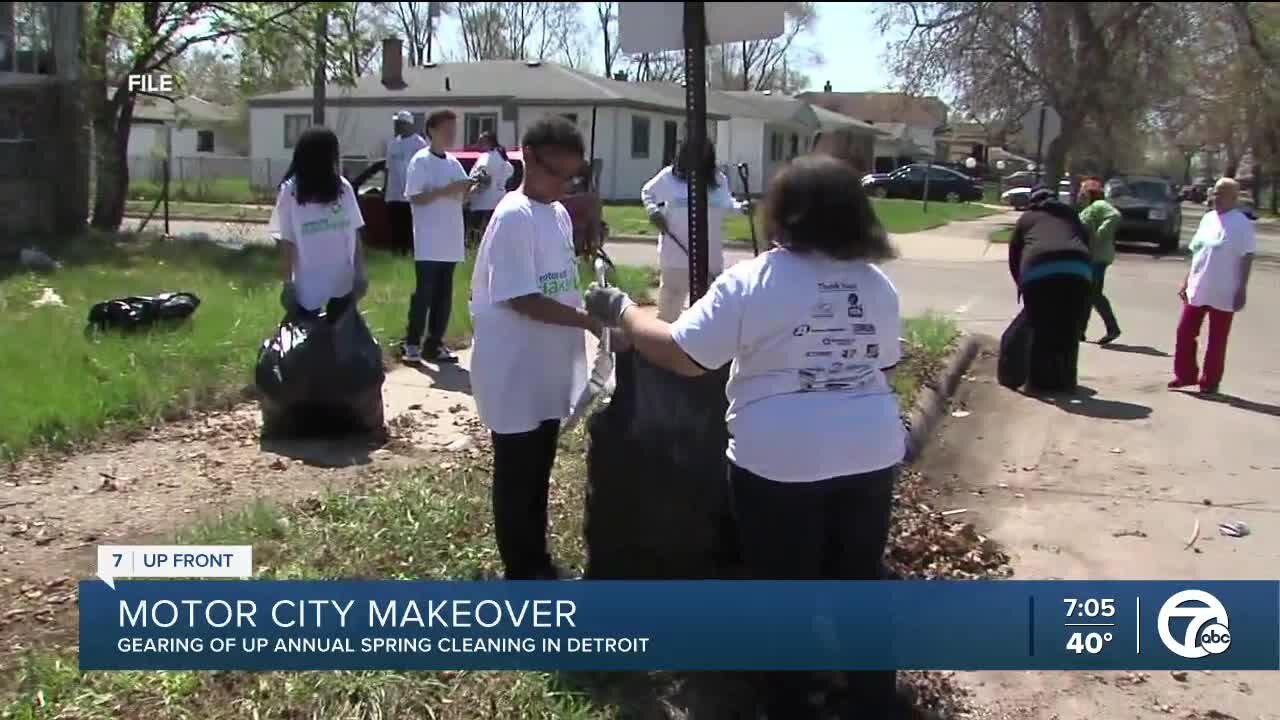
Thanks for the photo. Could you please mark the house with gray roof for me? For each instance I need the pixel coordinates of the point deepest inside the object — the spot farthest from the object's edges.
(199, 137)
(765, 129)
(631, 128)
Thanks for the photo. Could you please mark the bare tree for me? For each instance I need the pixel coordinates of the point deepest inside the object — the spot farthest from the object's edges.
(520, 31)
(1088, 60)
(607, 15)
(768, 64)
(416, 26)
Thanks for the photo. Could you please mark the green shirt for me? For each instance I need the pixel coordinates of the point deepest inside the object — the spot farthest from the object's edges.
(1102, 219)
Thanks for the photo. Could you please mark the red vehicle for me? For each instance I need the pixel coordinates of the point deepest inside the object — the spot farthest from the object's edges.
(583, 204)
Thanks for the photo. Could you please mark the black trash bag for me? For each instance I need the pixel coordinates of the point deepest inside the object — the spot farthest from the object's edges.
(1014, 364)
(657, 501)
(137, 312)
(321, 374)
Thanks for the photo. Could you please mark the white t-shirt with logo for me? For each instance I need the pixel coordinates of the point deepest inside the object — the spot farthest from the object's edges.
(437, 226)
(324, 236)
(400, 150)
(809, 338)
(669, 195)
(499, 171)
(1218, 248)
(524, 371)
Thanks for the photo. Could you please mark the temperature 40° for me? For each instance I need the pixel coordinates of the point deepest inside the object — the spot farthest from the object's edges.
(1091, 643)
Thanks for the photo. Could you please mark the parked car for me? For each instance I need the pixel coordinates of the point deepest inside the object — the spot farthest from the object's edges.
(1022, 178)
(583, 203)
(1017, 197)
(909, 182)
(1149, 209)
(1196, 193)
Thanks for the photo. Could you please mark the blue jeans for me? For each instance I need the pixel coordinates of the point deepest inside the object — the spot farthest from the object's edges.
(1100, 302)
(431, 303)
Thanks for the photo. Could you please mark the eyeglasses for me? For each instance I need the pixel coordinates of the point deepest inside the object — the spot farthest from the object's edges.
(541, 160)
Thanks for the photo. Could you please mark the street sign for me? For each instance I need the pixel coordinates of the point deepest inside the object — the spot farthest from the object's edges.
(656, 26)
(1040, 126)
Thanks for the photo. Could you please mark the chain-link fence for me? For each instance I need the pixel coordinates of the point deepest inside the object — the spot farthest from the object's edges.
(218, 178)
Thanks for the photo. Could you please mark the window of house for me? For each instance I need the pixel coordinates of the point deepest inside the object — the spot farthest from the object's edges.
(775, 146)
(478, 124)
(639, 136)
(294, 125)
(420, 123)
(204, 141)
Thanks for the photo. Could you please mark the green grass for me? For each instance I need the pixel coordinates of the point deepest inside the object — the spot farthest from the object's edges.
(898, 216)
(63, 385)
(1001, 236)
(908, 216)
(219, 212)
(930, 338)
(428, 522)
(211, 190)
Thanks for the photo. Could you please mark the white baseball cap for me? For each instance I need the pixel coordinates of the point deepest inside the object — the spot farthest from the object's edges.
(403, 116)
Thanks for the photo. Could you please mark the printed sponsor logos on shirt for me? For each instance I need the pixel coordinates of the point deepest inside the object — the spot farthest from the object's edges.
(850, 353)
(873, 351)
(800, 331)
(837, 286)
(837, 341)
(554, 283)
(818, 353)
(855, 311)
(823, 310)
(864, 329)
(338, 220)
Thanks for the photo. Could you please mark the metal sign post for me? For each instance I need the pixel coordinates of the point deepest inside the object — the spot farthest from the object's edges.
(695, 88)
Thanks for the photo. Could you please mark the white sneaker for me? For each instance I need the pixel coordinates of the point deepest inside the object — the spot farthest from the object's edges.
(411, 354)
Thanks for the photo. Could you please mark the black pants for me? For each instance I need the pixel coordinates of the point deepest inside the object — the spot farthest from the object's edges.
(400, 217)
(521, 478)
(431, 303)
(1059, 307)
(1100, 301)
(832, 529)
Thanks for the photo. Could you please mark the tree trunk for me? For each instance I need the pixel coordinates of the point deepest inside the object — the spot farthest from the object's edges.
(1186, 168)
(322, 57)
(1055, 157)
(111, 141)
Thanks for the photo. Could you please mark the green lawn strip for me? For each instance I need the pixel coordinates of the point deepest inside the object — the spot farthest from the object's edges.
(432, 522)
(206, 190)
(1001, 236)
(65, 386)
(214, 212)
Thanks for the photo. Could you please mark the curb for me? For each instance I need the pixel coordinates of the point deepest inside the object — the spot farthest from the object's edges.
(932, 401)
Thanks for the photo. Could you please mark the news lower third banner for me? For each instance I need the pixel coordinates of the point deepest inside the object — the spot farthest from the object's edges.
(707, 625)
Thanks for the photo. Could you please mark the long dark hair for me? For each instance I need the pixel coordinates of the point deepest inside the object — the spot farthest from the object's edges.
(314, 168)
(490, 139)
(1046, 201)
(684, 162)
(816, 204)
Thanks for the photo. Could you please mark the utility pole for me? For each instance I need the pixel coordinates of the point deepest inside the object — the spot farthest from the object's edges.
(321, 59)
(433, 12)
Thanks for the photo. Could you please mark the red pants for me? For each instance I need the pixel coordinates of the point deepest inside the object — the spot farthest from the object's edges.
(1215, 356)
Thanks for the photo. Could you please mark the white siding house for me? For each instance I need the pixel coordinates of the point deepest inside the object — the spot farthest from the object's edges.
(201, 133)
(630, 125)
(767, 129)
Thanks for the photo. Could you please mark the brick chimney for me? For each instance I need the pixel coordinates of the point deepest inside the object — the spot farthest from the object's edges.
(392, 63)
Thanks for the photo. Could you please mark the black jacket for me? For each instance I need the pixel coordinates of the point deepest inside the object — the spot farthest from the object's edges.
(1047, 232)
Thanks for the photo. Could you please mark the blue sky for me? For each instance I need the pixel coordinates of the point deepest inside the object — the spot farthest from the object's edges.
(845, 35)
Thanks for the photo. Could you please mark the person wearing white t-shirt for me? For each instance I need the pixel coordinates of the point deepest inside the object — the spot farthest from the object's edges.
(666, 200)
(1216, 285)
(316, 222)
(528, 361)
(436, 186)
(400, 150)
(811, 329)
(491, 172)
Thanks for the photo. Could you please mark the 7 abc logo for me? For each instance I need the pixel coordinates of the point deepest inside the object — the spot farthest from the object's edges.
(1206, 632)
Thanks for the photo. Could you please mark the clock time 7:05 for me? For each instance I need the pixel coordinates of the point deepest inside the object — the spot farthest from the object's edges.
(1090, 607)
